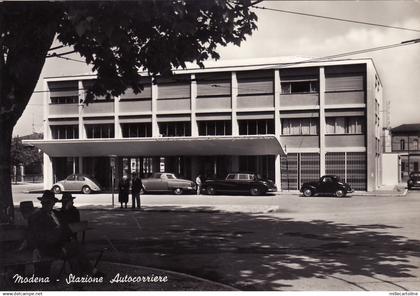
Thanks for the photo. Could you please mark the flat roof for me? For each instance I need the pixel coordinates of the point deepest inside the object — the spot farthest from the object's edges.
(171, 146)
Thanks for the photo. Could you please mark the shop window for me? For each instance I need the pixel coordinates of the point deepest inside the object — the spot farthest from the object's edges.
(299, 126)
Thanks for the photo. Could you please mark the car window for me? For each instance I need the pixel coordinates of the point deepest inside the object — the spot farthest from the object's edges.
(230, 177)
(157, 175)
(164, 176)
(170, 176)
(327, 179)
(243, 177)
(80, 178)
(71, 178)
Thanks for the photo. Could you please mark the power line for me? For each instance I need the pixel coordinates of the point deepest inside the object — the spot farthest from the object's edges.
(336, 19)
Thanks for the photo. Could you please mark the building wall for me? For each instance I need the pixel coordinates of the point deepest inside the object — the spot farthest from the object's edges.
(311, 92)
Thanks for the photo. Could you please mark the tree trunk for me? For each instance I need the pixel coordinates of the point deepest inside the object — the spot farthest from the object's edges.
(6, 200)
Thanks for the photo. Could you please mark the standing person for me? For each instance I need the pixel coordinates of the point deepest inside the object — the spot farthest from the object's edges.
(135, 191)
(198, 182)
(123, 188)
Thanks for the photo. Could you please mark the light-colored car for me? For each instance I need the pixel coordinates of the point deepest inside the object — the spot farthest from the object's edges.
(164, 182)
(76, 183)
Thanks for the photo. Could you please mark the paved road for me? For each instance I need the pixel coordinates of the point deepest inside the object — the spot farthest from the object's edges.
(286, 242)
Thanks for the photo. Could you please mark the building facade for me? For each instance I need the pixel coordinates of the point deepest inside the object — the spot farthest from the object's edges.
(290, 123)
(405, 142)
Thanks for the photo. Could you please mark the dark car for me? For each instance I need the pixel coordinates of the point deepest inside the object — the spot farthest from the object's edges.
(249, 183)
(329, 185)
(414, 180)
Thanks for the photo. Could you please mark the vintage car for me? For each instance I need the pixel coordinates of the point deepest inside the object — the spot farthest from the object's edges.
(328, 184)
(249, 183)
(76, 183)
(414, 180)
(163, 182)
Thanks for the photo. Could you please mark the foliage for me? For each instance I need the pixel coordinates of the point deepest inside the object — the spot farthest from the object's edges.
(21, 154)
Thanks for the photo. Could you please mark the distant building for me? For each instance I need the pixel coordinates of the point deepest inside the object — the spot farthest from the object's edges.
(405, 142)
(288, 123)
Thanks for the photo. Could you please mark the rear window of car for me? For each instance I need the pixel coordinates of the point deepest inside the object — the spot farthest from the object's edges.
(243, 177)
(230, 177)
(80, 178)
(170, 176)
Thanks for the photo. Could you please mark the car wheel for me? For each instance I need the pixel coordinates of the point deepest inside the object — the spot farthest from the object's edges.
(56, 189)
(254, 191)
(86, 190)
(178, 191)
(211, 191)
(307, 192)
(340, 193)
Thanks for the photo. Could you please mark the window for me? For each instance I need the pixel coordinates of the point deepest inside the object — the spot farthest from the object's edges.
(345, 125)
(256, 127)
(243, 177)
(100, 131)
(296, 87)
(80, 178)
(136, 130)
(65, 100)
(299, 126)
(230, 177)
(415, 144)
(71, 178)
(402, 144)
(65, 131)
(175, 129)
(215, 128)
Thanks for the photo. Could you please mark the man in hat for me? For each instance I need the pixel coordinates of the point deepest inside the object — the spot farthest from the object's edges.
(68, 213)
(48, 236)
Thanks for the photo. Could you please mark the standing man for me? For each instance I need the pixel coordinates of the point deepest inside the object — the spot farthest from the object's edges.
(135, 191)
(198, 182)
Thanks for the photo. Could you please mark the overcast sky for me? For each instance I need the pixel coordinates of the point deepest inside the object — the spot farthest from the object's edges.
(281, 34)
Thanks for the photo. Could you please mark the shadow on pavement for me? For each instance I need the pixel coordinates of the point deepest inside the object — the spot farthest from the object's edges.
(250, 251)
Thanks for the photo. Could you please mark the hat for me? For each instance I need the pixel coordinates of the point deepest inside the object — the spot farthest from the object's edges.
(66, 197)
(48, 195)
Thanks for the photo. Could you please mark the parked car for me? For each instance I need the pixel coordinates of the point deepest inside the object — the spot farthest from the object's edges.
(76, 183)
(414, 180)
(249, 183)
(163, 182)
(328, 184)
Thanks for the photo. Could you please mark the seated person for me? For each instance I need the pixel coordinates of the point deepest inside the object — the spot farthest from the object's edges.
(49, 238)
(68, 213)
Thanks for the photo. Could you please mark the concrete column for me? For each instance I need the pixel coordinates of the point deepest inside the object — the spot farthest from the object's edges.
(80, 159)
(155, 126)
(47, 130)
(277, 125)
(48, 172)
(117, 125)
(234, 102)
(82, 131)
(322, 122)
(194, 126)
(277, 172)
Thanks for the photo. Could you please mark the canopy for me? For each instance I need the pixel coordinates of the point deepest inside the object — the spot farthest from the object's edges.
(174, 146)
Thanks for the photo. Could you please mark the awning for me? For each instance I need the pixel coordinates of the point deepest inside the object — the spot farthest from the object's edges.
(204, 145)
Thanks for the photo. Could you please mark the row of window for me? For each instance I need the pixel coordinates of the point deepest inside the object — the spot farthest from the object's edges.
(414, 145)
(289, 126)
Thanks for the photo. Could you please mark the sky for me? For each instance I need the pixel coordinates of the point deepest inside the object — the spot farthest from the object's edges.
(280, 34)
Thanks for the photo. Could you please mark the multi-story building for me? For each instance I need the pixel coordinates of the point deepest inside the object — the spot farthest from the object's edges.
(288, 122)
(405, 142)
